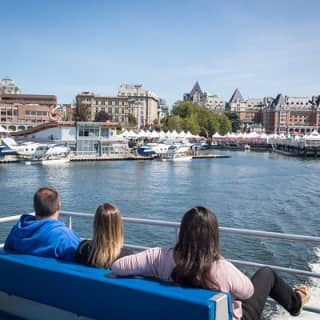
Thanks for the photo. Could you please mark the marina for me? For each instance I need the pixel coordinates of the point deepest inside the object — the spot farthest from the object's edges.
(237, 189)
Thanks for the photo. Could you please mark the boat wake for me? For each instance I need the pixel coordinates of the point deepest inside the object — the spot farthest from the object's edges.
(315, 296)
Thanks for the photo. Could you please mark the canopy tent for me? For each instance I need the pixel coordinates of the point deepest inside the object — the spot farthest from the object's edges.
(131, 134)
(154, 134)
(181, 134)
(142, 134)
(313, 136)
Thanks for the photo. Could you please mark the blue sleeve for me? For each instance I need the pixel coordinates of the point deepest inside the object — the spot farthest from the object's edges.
(68, 245)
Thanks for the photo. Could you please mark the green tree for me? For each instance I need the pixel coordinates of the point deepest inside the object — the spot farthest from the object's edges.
(235, 120)
(183, 109)
(83, 113)
(174, 123)
(225, 124)
(191, 124)
(199, 120)
(132, 120)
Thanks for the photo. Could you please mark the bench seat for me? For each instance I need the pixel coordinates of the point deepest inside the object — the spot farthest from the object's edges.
(39, 288)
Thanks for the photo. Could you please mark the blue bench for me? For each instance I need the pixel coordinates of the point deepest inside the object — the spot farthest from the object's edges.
(43, 288)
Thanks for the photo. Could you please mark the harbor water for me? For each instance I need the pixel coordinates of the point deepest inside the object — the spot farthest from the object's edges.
(261, 191)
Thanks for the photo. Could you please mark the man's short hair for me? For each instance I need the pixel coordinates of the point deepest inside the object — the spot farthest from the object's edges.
(46, 202)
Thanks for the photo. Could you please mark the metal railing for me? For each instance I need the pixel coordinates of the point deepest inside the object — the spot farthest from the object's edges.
(176, 225)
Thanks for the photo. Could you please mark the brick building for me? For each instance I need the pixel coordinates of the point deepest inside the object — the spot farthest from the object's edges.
(27, 107)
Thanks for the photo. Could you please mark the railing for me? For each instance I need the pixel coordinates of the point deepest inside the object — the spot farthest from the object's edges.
(175, 226)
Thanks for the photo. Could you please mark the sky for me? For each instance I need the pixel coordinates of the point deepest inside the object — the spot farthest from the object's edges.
(63, 47)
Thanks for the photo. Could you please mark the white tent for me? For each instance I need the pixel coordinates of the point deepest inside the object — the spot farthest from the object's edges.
(181, 134)
(189, 135)
(313, 136)
(131, 134)
(162, 134)
(174, 133)
(123, 134)
(154, 134)
(142, 133)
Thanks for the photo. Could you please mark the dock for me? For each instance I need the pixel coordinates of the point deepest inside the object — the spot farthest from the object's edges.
(78, 158)
(210, 156)
(9, 160)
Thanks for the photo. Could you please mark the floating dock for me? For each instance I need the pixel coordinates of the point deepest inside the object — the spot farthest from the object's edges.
(108, 158)
(79, 158)
(210, 156)
(9, 160)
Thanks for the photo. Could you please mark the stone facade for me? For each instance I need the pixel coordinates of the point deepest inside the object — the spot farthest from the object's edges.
(145, 103)
(118, 108)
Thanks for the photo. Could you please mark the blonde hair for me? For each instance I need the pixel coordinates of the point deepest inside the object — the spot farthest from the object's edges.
(107, 236)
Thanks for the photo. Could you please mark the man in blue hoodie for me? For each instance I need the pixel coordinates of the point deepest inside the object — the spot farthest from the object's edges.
(43, 234)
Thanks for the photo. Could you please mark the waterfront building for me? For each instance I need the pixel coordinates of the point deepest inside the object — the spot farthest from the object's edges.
(203, 99)
(249, 111)
(8, 86)
(117, 108)
(84, 138)
(145, 104)
(196, 95)
(29, 108)
(99, 139)
(292, 114)
(215, 103)
(163, 108)
(142, 104)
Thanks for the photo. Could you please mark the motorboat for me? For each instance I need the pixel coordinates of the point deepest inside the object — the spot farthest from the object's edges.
(176, 153)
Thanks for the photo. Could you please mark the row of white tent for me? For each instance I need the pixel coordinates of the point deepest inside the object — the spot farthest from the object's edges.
(254, 135)
(158, 134)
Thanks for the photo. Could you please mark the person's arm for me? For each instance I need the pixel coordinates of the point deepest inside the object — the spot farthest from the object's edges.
(239, 285)
(67, 246)
(144, 263)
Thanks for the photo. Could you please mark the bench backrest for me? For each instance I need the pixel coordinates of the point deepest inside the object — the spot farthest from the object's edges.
(87, 292)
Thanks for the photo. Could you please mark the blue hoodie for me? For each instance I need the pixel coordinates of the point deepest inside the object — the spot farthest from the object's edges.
(45, 238)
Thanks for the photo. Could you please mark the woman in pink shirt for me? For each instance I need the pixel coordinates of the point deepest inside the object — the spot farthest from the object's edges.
(196, 261)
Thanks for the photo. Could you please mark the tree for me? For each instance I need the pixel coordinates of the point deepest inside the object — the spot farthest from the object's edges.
(225, 124)
(83, 113)
(183, 109)
(132, 120)
(102, 116)
(174, 123)
(191, 117)
(235, 120)
(191, 124)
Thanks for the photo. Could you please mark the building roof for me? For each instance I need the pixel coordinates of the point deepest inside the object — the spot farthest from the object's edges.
(278, 102)
(196, 88)
(236, 96)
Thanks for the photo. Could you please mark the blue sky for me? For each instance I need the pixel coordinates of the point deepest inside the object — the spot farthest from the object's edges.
(63, 47)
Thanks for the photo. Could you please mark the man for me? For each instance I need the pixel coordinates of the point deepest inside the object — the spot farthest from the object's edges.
(43, 234)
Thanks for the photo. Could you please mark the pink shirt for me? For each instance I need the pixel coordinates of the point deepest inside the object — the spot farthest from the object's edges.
(159, 263)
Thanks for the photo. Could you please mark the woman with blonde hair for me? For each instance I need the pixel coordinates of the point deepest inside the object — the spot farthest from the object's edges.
(107, 242)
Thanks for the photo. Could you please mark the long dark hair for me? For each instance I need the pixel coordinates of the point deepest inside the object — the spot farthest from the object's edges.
(196, 249)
